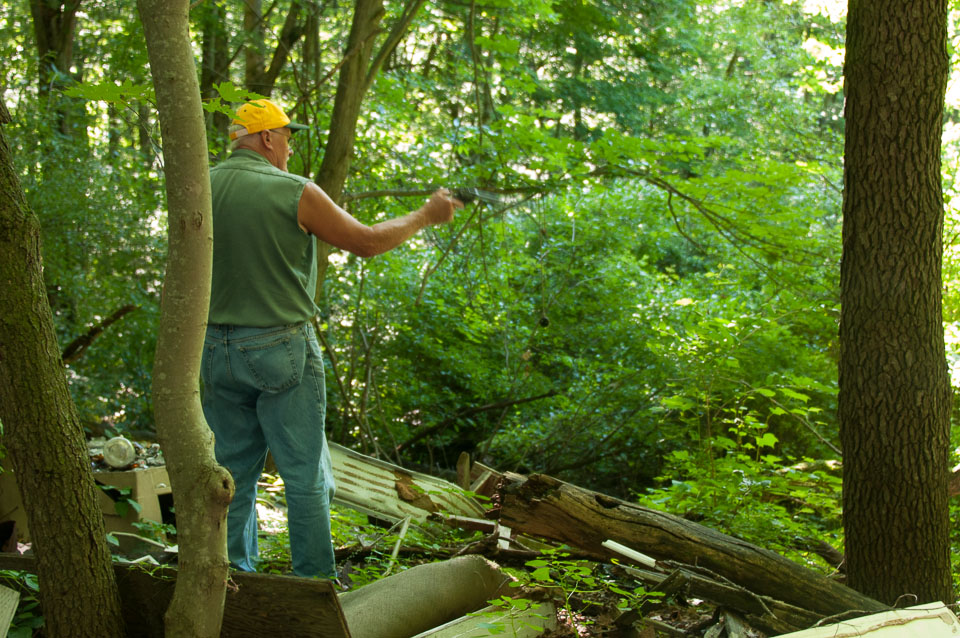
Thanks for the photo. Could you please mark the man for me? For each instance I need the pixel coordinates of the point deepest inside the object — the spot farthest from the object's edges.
(262, 369)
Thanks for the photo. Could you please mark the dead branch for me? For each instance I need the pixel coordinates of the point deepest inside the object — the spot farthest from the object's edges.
(75, 349)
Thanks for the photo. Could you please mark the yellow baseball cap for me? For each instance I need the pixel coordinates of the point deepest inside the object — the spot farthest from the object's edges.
(260, 115)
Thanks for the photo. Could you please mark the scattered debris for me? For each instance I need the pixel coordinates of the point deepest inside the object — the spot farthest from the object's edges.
(120, 453)
(933, 620)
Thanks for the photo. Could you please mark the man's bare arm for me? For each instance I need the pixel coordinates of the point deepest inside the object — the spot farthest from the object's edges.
(320, 215)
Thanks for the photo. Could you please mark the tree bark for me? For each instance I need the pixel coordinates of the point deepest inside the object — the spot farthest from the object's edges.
(255, 35)
(351, 87)
(202, 489)
(215, 65)
(544, 506)
(43, 436)
(53, 28)
(357, 74)
(258, 76)
(894, 404)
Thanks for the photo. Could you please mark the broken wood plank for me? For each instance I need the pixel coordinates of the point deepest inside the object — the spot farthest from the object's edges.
(544, 506)
(389, 492)
(258, 604)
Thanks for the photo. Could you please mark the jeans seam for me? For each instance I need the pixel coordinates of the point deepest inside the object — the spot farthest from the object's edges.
(321, 397)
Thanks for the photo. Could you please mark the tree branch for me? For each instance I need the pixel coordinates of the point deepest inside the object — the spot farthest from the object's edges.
(289, 35)
(75, 349)
(393, 39)
(506, 403)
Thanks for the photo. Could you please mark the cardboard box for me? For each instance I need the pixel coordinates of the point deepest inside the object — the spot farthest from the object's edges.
(150, 487)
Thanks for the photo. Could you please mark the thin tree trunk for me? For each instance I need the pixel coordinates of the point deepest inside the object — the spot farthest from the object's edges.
(255, 35)
(202, 489)
(43, 436)
(53, 29)
(349, 98)
(357, 75)
(894, 401)
(215, 64)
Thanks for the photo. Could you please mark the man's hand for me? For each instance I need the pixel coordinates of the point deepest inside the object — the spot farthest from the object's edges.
(439, 208)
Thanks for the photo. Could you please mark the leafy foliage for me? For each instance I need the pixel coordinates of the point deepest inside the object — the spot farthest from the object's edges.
(649, 310)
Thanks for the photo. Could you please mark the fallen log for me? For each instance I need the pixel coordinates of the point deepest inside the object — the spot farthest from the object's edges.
(543, 506)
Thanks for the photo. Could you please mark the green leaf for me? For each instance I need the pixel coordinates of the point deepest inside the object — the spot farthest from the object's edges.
(232, 93)
(542, 574)
(767, 440)
(677, 402)
(794, 394)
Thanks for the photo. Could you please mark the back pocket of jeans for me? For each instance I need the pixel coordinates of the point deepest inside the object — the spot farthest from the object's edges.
(277, 364)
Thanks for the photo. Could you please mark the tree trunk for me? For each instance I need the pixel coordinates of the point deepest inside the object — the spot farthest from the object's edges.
(544, 506)
(357, 74)
(258, 76)
(54, 25)
(894, 404)
(202, 489)
(43, 436)
(215, 64)
(254, 37)
(53, 28)
(350, 91)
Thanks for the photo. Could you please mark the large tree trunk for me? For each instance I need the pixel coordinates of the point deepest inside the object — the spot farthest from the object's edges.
(43, 436)
(894, 387)
(202, 489)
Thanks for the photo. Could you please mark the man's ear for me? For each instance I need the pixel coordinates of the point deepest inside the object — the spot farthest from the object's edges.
(266, 141)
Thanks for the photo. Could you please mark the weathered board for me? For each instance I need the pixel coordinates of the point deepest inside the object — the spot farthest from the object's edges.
(256, 604)
(390, 492)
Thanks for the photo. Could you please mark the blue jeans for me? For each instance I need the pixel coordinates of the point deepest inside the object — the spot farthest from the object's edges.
(264, 389)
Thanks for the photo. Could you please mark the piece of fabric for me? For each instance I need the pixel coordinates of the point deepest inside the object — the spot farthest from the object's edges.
(264, 265)
(264, 388)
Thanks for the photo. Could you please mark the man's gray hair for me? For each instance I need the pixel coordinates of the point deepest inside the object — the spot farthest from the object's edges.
(237, 143)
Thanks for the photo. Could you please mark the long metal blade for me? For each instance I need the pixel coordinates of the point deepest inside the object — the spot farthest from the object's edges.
(467, 195)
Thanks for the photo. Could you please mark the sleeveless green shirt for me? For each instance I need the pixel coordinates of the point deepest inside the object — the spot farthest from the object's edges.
(264, 265)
